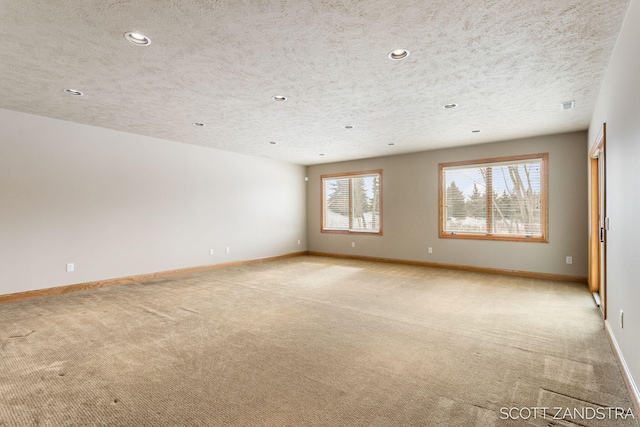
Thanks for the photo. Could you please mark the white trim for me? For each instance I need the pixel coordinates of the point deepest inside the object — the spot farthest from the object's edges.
(626, 373)
(596, 298)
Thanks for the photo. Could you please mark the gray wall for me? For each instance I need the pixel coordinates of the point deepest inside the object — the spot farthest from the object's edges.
(118, 204)
(410, 210)
(618, 106)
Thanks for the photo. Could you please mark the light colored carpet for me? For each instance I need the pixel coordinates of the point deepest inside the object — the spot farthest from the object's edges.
(309, 341)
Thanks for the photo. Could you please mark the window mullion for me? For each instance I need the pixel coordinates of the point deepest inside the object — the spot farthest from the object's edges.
(350, 204)
(489, 196)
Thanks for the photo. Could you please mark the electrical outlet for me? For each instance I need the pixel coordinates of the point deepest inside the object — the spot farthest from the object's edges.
(353, 244)
(569, 260)
(227, 250)
(211, 251)
(430, 249)
(71, 267)
(298, 242)
(621, 319)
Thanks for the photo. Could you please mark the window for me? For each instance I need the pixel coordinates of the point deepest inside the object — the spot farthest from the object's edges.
(496, 199)
(351, 202)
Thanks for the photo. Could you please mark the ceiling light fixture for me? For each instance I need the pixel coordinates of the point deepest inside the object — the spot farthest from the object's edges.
(475, 131)
(199, 124)
(137, 38)
(398, 54)
(450, 106)
(321, 154)
(273, 143)
(349, 127)
(279, 98)
(73, 92)
(391, 144)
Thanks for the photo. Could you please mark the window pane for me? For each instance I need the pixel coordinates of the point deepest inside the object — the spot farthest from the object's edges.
(465, 200)
(366, 203)
(517, 199)
(336, 204)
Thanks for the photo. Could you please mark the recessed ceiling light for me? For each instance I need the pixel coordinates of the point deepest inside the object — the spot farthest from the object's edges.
(475, 131)
(321, 154)
(73, 92)
(567, 105)
(391, 143)
(272, 143)
(279, 98)
(137, 38)
(199, 124)
(449, 106)
(398, 54)
(348, 126)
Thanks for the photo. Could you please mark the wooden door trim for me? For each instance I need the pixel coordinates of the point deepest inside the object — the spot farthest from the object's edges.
(597, 150)
(594, 245)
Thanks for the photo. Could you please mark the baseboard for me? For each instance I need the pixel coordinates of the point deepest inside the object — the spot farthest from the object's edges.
(487, 270)
(37, 293)
(19, 296)
(626, 373)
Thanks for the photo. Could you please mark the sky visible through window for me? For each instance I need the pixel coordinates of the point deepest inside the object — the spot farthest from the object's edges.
(501, 180)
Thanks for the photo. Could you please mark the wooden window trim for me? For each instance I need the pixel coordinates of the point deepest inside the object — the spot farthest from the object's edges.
(544, 188)
(350, 175)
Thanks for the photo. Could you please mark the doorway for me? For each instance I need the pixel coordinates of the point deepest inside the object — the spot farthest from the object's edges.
(598, 223)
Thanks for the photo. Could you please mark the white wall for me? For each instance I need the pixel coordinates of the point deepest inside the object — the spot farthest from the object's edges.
(618, 106)
(410, 210)
(118, 204)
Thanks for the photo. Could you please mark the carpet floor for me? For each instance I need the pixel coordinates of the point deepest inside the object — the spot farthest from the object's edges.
(312, 341)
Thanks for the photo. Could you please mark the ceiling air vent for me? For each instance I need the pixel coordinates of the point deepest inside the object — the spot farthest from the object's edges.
(567, 105)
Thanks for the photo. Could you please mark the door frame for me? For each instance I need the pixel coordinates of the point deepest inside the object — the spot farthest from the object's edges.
(597, 225)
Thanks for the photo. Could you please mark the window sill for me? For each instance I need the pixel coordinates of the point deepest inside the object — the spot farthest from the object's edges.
(375, 233)
(498, 237)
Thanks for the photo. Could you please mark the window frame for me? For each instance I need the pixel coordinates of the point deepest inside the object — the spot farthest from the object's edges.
(544, 202)
(350, 176)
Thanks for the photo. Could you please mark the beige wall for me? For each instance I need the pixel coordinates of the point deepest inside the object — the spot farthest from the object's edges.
(410, 210)
(118, 204)
(618, 107)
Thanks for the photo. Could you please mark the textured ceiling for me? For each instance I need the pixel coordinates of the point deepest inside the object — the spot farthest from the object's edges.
(507, 63)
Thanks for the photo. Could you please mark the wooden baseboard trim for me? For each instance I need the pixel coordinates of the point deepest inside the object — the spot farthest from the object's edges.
(486, 270)
(37, 293)
(634, 392)
(20, 296)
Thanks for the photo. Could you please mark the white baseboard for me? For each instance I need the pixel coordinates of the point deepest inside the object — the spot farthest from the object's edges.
(626, 373)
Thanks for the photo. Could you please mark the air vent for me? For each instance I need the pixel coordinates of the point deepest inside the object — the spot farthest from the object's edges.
(567, 105)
